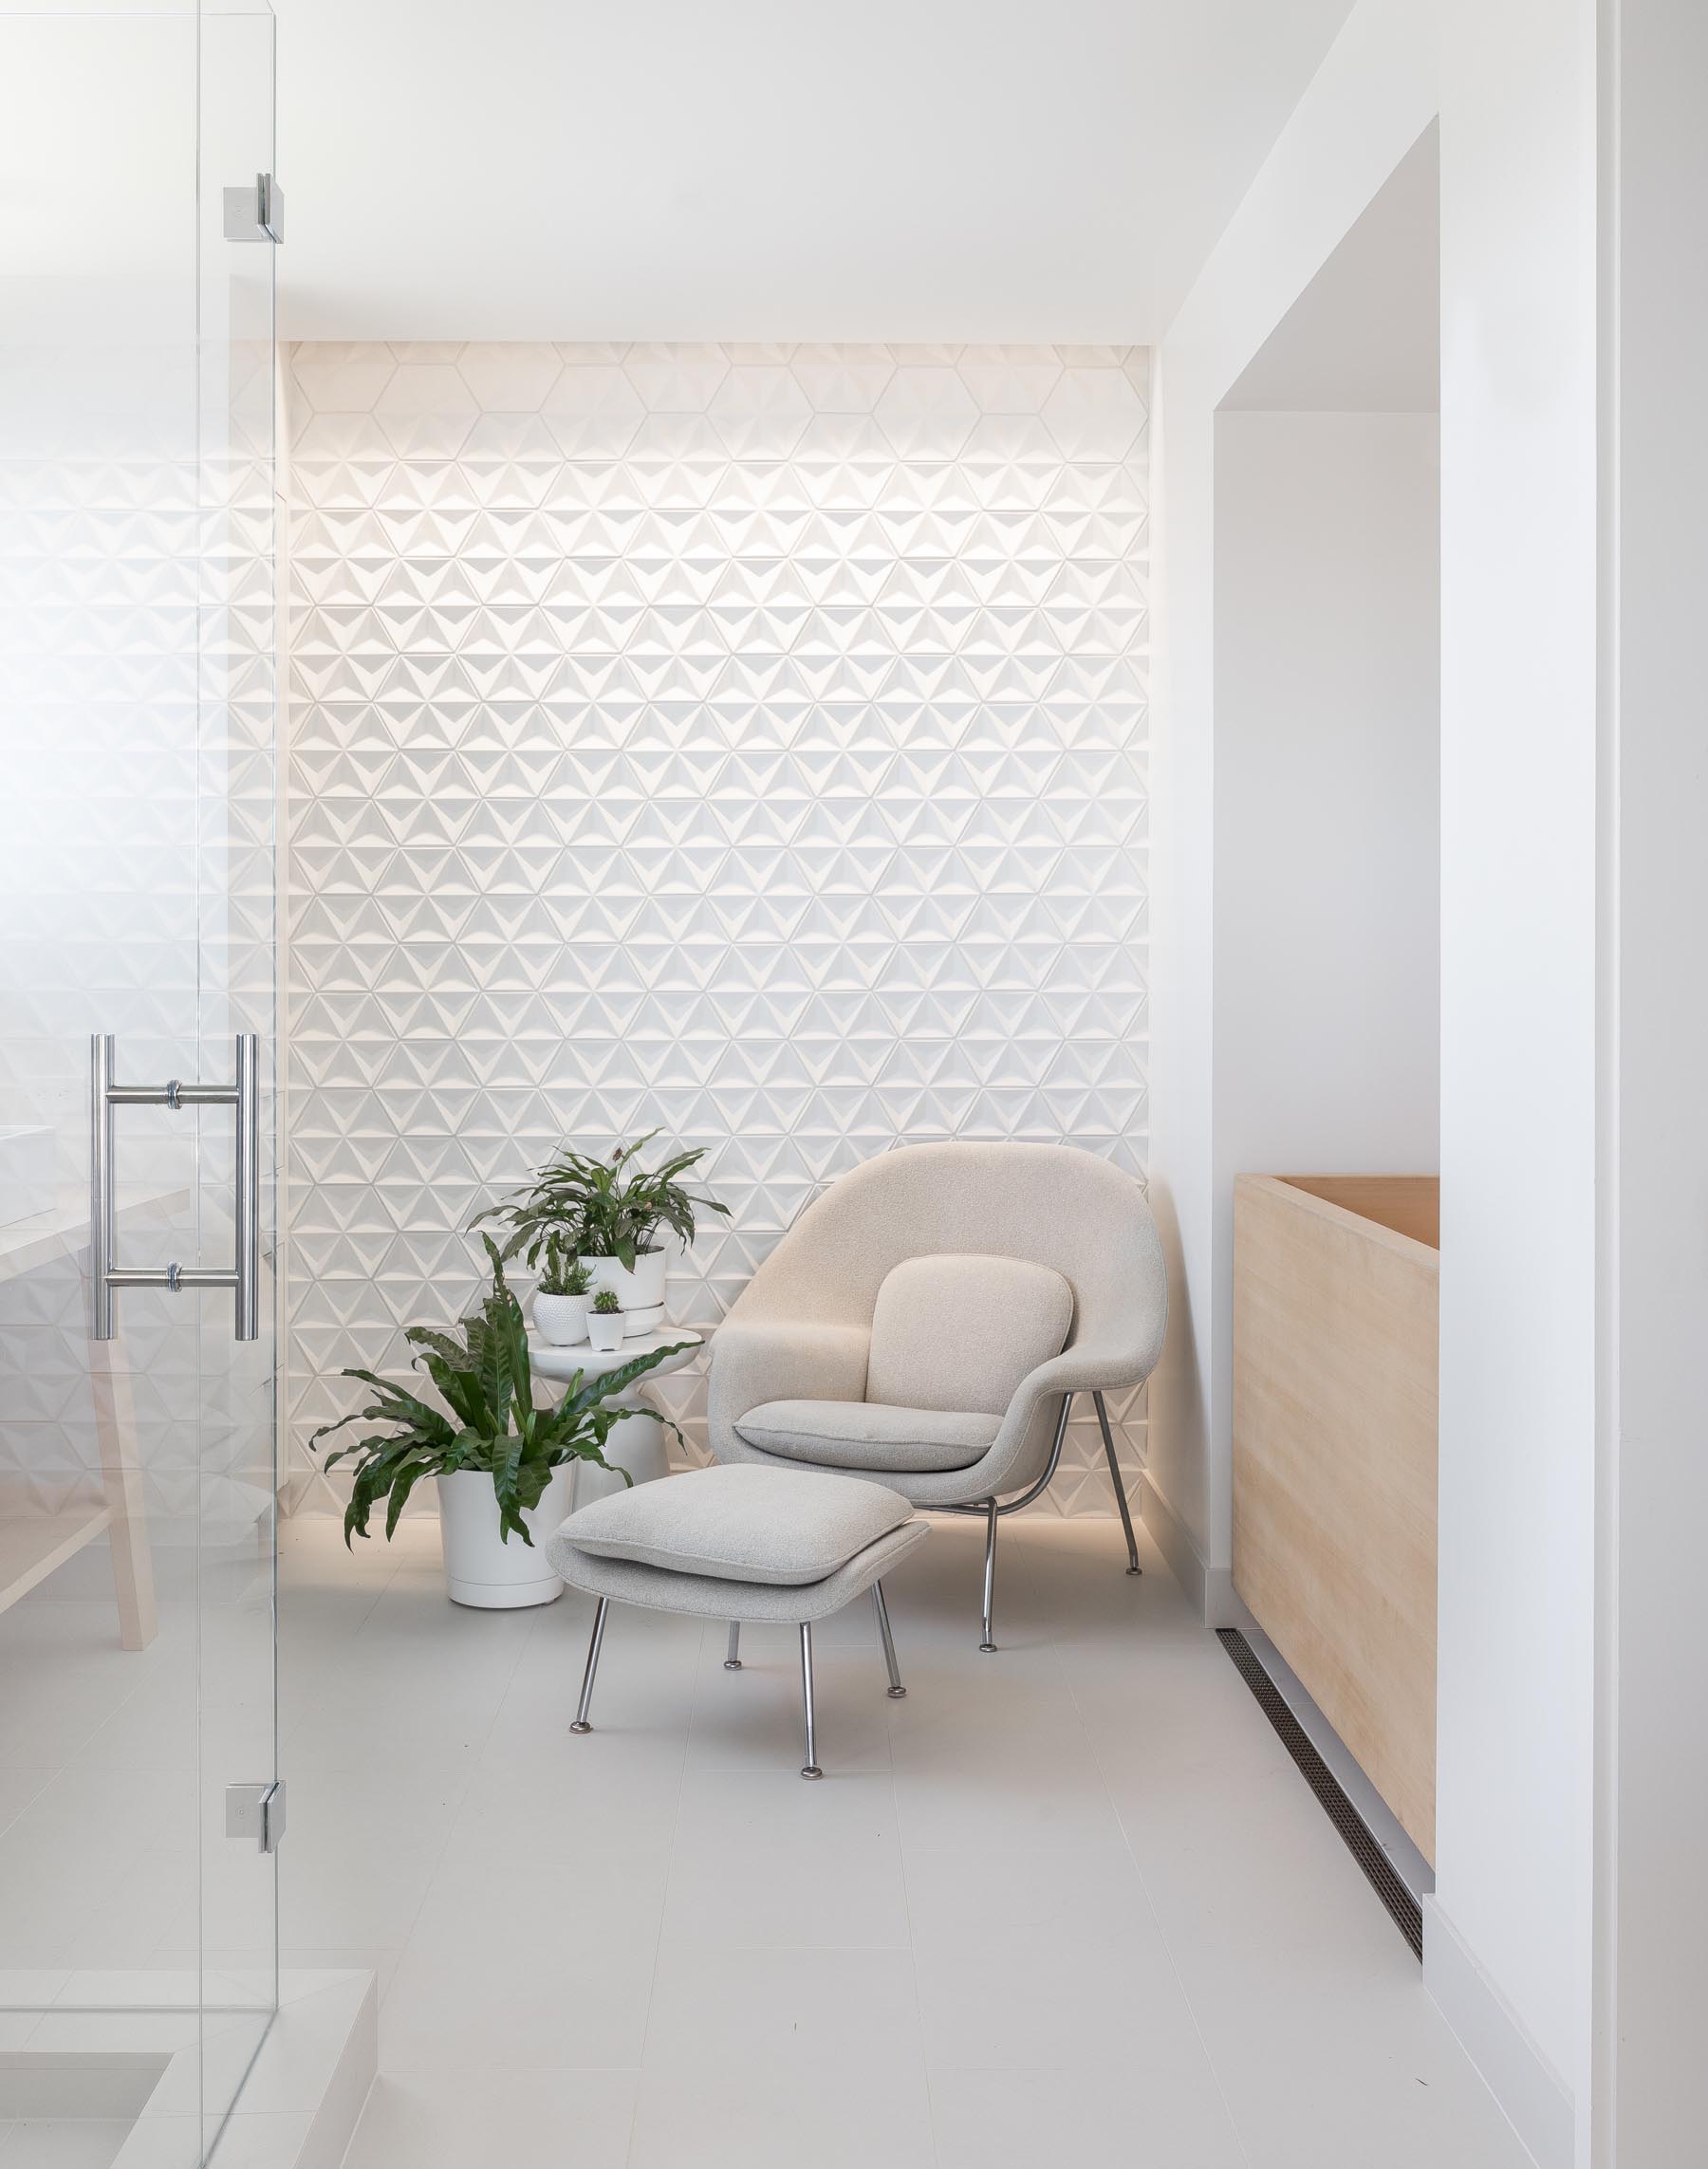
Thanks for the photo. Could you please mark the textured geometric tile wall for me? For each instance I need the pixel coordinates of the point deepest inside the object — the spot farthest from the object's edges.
(748, 740)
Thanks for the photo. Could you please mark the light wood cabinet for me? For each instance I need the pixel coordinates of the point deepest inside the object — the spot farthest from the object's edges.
(1335, 1311)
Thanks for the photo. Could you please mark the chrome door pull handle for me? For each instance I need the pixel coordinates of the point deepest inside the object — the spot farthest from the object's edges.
(106, 1275)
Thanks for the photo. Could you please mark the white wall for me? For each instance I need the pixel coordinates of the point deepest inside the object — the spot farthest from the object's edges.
(745, 741)
(1327, 752)
(1507, 1943)
(1653, 2016)
(1518, 1011)
(1373, 97)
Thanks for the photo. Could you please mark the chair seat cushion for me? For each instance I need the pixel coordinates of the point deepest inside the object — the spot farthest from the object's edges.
(869, 1435)
(738, 1523)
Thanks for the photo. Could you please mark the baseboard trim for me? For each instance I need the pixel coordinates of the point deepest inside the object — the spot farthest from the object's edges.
(1536, 2100)
(1222, 1605)
(1180, 1554)
(1209, 1589)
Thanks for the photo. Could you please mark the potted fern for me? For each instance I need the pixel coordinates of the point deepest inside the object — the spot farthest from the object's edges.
(613, 1213)
(560, 1304)
(503, 1467)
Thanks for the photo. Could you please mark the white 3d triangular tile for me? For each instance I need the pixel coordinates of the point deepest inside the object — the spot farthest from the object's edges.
(750, 741)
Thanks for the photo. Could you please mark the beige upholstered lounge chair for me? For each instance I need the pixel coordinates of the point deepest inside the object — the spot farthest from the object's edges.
(927, 1321)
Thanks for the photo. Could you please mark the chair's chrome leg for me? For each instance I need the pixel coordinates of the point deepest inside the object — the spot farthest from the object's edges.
(733, 1656)
(581, 1724)
(809, 1767)
(1120, 1500)
(988, 1645)
(896, 1688)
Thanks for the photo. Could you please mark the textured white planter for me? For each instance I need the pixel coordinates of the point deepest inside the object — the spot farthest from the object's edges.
(480, 1569)
(604, 1329)
(641, 1292)
(561, 1319)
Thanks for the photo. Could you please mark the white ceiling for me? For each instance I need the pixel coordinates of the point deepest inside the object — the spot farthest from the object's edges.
(904, 170)
(1366, 335)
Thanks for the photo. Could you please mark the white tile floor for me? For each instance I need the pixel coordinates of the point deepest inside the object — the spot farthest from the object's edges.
(1068, 1903)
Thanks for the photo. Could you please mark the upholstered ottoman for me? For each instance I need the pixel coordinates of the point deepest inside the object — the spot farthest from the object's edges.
(739, 1543)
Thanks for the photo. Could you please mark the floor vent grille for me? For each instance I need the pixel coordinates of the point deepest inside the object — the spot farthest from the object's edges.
(1403, 1907)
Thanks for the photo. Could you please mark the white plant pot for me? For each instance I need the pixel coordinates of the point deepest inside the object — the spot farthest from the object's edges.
(641, 1292)
(561, 1319)
(604, 1329)
(480, 1568)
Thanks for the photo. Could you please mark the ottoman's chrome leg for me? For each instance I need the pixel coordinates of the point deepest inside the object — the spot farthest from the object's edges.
(733, 1656)
(1121, 1499)
(581, 1724)
(809, 1767)
(896, 1688)
(989, 1580)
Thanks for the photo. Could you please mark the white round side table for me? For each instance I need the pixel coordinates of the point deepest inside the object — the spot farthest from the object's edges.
(639, 1444)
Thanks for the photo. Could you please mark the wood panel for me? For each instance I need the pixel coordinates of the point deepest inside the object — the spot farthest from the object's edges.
(1409, 1204)
(1335, 1319)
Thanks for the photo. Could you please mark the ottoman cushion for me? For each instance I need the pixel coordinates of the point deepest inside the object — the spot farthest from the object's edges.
(708, 1596)
(737, 1523)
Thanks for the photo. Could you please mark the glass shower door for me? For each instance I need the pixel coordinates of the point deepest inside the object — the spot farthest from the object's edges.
(241, 1805)
(138, 1911)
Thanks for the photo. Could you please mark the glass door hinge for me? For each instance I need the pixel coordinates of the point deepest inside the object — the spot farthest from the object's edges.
(255, 211)
(256, 1812)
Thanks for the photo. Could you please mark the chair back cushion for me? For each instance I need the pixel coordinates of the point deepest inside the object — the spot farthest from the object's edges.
(959, 1331)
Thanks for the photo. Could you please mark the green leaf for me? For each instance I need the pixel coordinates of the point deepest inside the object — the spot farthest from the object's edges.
(441, 1343)
(507, 1461)
(395, 1406)
(407, 1477)
(585, 1392)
